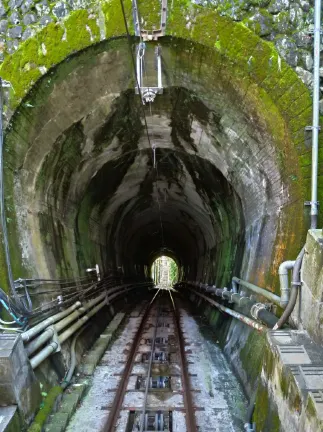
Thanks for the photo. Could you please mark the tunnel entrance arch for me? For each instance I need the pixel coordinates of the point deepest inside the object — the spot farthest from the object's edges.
(248, 131)
(227, 192)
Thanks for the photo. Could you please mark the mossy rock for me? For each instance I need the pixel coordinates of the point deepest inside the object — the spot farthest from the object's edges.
(46, 409)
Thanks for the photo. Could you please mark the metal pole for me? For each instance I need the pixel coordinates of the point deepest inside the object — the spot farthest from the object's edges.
(316, 125)
(138, 69)
(136, 18)
(159, 69)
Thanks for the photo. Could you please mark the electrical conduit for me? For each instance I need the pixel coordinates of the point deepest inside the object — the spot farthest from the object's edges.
(53, 346)
(49, 333)
(31, 333)
(40, 340)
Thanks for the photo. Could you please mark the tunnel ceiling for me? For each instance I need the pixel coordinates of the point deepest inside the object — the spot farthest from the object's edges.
(84, 181)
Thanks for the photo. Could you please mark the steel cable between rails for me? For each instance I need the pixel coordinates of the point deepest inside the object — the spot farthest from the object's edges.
(119, 396)
(149, 372)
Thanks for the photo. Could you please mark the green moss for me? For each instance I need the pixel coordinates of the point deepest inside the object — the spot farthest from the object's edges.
(288, 387)
(50, 46)
(251, 54)
(262, 407)
(51, 40)
(310, 407)
(20, 70)
(77, 34)
(45, 410)
(214, 317)
(265, 414)
(290, 390)
(17, 266)
(285, 384)
(150, 14)
(268, 361)
(251, 356)
(114, 21)
(57, 169)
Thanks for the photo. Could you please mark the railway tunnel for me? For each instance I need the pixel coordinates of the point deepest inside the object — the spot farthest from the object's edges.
(214, 173)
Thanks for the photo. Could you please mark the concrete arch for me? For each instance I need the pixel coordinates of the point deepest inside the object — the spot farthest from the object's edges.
(277, 104)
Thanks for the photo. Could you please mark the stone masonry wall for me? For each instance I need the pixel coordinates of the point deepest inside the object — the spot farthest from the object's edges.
(283, 22)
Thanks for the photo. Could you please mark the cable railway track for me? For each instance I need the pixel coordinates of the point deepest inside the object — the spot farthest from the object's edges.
(159, 346)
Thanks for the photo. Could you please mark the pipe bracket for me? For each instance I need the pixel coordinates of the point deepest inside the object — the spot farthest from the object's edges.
(255, 309)
(309, 203)
(243, 300)
(310, 128)
(56, 340)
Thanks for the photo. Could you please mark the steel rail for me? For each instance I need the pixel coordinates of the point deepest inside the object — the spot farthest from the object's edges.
(122, 387)
(188, 401)
(142, 424)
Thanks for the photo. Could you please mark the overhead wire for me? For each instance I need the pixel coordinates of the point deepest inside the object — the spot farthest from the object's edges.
(134, 65)
(155, 166)
(142, 106)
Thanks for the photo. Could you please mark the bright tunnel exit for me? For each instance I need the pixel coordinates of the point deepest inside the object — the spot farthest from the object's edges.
(164, 272)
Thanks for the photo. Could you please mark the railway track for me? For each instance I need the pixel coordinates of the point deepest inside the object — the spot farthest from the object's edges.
(157, 365)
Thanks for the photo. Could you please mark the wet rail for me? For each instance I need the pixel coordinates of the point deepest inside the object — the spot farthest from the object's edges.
(187, 393)
(165, 346)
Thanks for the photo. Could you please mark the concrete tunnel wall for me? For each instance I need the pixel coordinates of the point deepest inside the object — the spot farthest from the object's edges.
(233, 167)
(266, 107)
(83, 156)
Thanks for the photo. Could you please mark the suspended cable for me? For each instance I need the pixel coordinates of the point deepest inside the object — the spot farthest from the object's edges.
(138, 32)
(134, 67)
